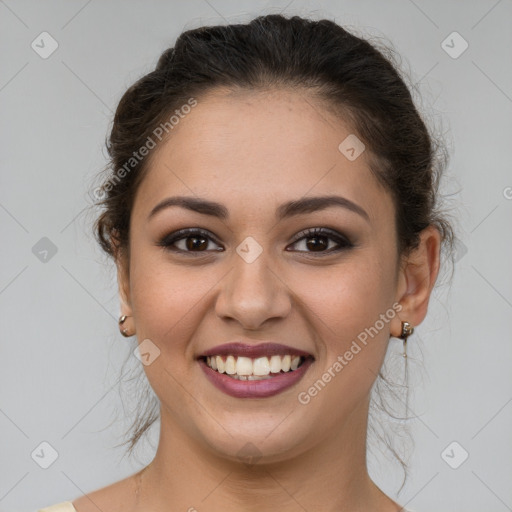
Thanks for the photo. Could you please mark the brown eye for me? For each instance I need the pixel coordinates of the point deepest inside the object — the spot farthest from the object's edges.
(196, 242)
(317, 243)
(321, 240)
(189, 240)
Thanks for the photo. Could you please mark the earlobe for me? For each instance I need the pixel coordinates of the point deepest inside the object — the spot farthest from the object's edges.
(126, 320)
(418, 276)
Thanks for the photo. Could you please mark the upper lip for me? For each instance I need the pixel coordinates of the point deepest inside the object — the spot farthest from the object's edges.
(254, 351)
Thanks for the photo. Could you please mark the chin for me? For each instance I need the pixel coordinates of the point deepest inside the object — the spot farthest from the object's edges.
(265, 440)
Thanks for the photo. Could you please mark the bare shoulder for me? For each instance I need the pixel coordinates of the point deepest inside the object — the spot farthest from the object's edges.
(116, 497)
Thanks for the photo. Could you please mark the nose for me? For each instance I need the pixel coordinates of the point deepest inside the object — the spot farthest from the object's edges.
(252, 294)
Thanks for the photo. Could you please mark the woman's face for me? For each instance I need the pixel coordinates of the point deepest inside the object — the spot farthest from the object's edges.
(253, 276)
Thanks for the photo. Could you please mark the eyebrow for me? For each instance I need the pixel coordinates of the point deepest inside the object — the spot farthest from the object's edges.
(286, 210)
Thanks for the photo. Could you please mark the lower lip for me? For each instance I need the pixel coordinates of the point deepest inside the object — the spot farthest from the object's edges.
(255, 388)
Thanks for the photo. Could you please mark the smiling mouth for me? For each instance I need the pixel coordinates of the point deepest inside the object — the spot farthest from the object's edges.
(259, 368)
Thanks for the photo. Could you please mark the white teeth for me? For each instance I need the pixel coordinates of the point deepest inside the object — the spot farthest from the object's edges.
(230, 365)
(245, 368)
(275, 364)
(261, 366)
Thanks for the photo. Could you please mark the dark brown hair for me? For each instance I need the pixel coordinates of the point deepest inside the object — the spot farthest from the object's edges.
(350, 76)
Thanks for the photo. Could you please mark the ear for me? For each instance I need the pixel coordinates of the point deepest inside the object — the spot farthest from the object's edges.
(123, 280)
(417, 276)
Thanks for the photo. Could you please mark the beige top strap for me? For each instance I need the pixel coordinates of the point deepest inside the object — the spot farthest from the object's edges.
(65, 506)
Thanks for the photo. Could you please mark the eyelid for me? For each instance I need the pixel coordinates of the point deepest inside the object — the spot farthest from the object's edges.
(321, 231)
(343, 242)
(181, 234)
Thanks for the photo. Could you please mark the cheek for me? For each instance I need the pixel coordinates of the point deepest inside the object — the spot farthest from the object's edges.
(350, 297)
(345, 306)
(167, 302)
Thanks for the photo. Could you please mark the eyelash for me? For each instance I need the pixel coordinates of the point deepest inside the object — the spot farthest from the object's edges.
(183, 234)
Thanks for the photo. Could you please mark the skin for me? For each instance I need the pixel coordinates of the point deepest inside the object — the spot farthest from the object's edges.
(252, 151)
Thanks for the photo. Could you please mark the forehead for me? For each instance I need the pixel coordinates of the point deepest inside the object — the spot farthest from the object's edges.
(265, 146)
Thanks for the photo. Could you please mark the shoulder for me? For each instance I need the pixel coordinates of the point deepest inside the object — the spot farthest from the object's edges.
(117, 497)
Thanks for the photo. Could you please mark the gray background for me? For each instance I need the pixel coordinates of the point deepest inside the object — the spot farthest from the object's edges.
(61, 351)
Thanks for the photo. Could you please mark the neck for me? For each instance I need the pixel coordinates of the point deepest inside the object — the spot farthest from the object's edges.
(331, 475)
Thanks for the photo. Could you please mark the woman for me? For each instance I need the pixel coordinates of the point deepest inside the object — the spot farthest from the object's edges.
(273, 216)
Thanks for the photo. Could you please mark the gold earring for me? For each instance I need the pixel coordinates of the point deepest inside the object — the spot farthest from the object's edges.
(407, 330)
(124, 331)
